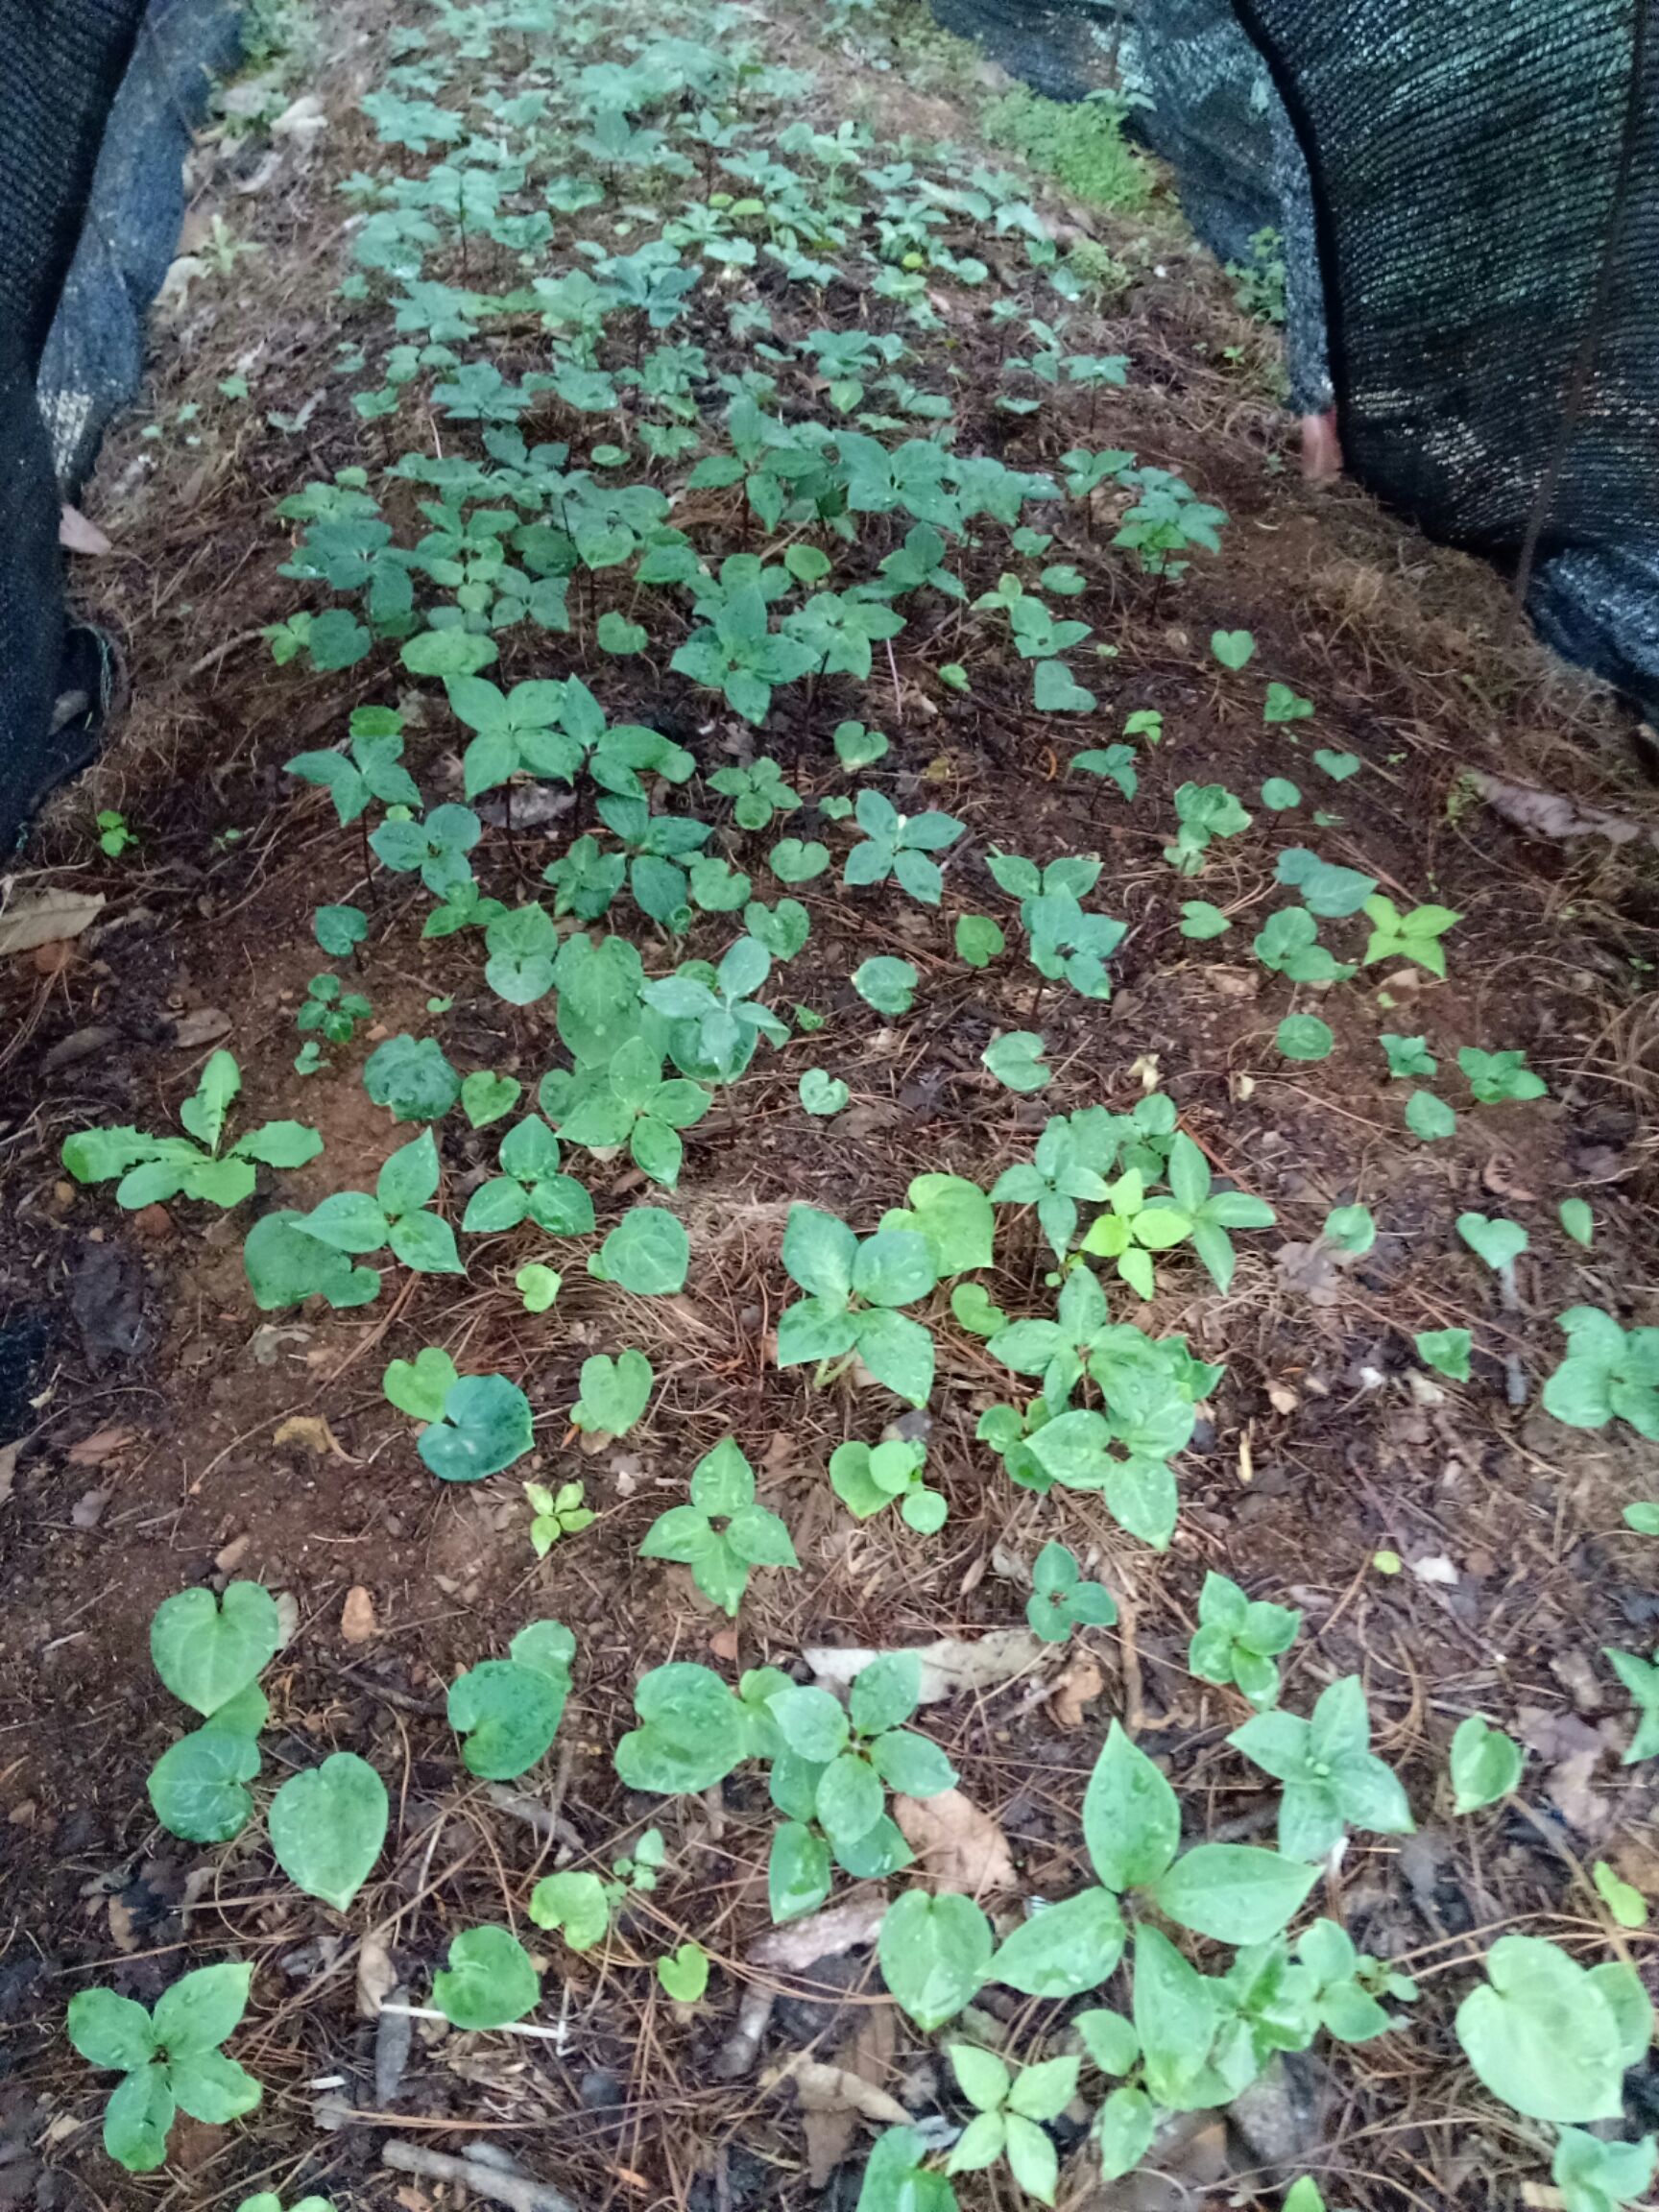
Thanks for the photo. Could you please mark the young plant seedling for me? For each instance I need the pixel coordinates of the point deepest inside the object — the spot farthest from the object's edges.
(868, 1477)
(1062, 1601)
(507, 1711)
(1330, 1776)
(1008, 2108)
(154, 1169)
(1239, 1639)
(853, 1290)
(899, 846)
(556, 1513)
(721, 1559)
(828, 1774)
(169, 2059)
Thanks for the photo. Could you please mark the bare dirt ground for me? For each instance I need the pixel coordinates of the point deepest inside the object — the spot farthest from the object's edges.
(166, 1434)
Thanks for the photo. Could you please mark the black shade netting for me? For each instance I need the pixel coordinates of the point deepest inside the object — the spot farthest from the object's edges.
(1469, 191)
(98, 99)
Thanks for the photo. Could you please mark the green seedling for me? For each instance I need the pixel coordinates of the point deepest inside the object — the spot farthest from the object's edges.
(685, 1973)
(629, 1102)
(1014, 1057)
(1641, 1678)
(887, 984)
(1496, 1077)
(476, 1425)
(1485, 1765)
(899, 846)
(507, 1711)
(397, 1215)
(489, 1981)
(371, 768)
(556, 1513)
(866, 1477)
(114, 833)
(1008, 2110)
(722, 1020)
(854, 1289)
(756, 793)
(647, 1253)
(152, 1169)
(410, 1075)
(1551, 2038)
(210, 1653)
(332, 1009)
(828, 1774)
(1204, 811)
(169, 2059)
(1607, 1373)
(1239, 1639)
(1330, 1776)
(1061, 1599)
(1414, 936)
(614, 1393)
(529, 1188)
(721, 1558)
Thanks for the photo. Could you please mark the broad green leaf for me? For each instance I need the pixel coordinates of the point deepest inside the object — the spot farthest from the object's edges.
(615, 1392)
(1233, 1891)
(1131, 1818)
(1496, 1241)
(507, 1714)
(1541, 2035)
(327, 1824)
(822, 1093)
(685, 1973)
(110, 2030)
(1064, 1949)
(418, 1387)
(693, 1732)
(954, 1216)
(205, 1651)
(1305, 1037)
(1014, 1057)
(196, 1786)
(1429, 1118)
(211, 2088)
(935, 1953)
(647, 1253)
(137, 2118)
(1485, 1764)
(887, 983)
(979, 940)
(489, 1980)
(575, 1904)
(486, 1426)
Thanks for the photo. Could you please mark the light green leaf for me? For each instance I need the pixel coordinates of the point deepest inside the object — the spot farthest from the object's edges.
(327, 1824)
(1131, 1818)
(489, 1980)
(935, 1953)
(1485, 1764)
(205, 1651)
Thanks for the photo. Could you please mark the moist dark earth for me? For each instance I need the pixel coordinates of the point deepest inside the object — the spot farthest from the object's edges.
(166, 1434)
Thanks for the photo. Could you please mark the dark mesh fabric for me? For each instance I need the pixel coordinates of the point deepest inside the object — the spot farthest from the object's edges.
(1444, 177)
(60, 61)
(1486, 180)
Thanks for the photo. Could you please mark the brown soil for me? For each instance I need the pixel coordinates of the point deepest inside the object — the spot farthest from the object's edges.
(1318, 1451)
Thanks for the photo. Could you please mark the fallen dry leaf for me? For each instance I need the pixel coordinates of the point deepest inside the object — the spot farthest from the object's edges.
(358, 1622)
(949, 1668)
(199, 1028)
(821, 2087)
(9, 1468)
(1550, 814)
(76, 535)
(46, 918)
(315, 1433)
(103, 1444)
(960, 1848)
(376, 1976)
(121, 1929)
(1080, 1684)
(829, 1934)
(723, 1643)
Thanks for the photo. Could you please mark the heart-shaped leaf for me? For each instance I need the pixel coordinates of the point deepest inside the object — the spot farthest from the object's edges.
(205, 1651)
(328, 1825)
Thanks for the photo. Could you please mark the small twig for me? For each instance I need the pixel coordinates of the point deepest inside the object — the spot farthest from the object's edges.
(559, 2036)
(518, 2190)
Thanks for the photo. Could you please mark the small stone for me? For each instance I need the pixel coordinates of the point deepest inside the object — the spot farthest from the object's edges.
(154, 1223)
(87, 1509)
(227, 1560)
